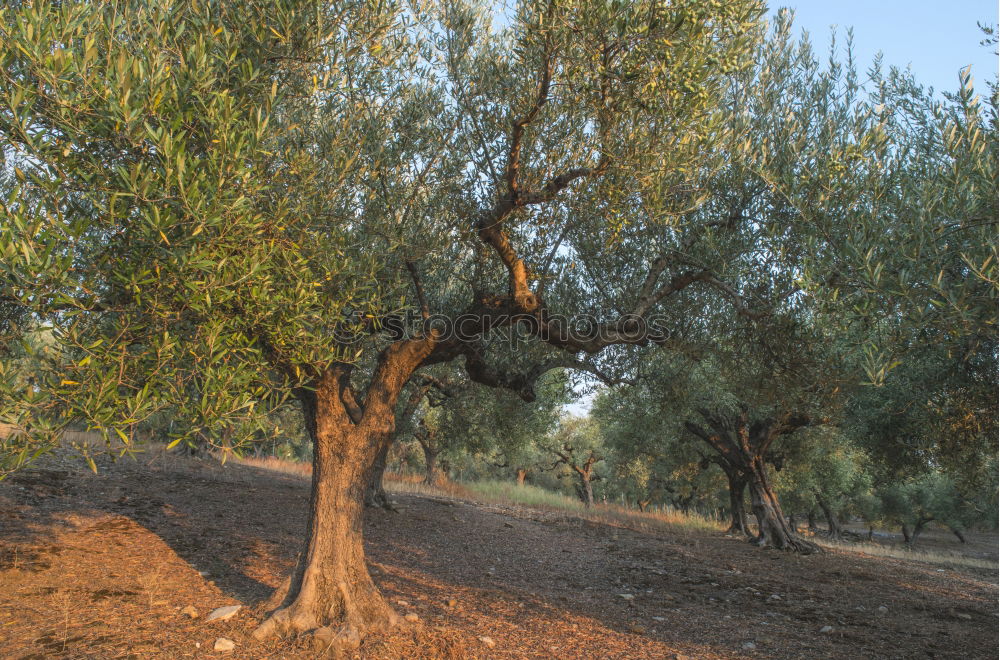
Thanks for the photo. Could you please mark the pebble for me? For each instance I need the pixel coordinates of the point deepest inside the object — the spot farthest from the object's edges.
(190, 611)
(626, 596)
(223, 644)
(452, 602)
(223, 613)
(749, 646)
(883, 609)
(487, 641)
(826, 629)
(412, 617)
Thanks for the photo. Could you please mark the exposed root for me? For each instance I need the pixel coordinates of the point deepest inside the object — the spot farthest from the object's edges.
(795, 544)
(339, 620)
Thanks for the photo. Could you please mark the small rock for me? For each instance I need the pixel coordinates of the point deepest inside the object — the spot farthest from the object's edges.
(190, 611)
(883, 609)
(678, 656)
(826, 629)
(412, 617)
(626, 596)
(658, 618)
(452, 602)
(774, 597)
(487, 641)
(402, 603)
(636, 630)
(507, 524)
(963, 616)
(223, 644)
(223, 613)
(749, 646)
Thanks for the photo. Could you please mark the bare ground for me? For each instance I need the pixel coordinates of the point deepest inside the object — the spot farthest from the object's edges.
(100, 566)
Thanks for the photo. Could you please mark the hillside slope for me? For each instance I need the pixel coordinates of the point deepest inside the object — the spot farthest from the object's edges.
(101, 567)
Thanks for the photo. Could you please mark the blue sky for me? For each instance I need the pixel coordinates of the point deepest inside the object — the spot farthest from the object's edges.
(935, 38)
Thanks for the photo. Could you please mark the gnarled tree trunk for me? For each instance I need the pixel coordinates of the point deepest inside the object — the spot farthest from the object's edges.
(431, 475)
(375, 495)
(743, 445)
(737, 510)
(919, 528)
(832, 524)
(811, 517)
(330, 591)
(772, 526)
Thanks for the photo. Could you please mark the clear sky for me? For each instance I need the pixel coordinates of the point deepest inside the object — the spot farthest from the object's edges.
(936, 38)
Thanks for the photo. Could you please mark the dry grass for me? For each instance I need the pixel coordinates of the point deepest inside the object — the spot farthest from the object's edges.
(275, 464)
(897, 552)
(509, 494)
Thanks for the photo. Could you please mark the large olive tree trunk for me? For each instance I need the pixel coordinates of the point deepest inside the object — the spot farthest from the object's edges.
(832, 524)
(737, 483)
(375, 495)
(432, 476)
(743, 446)
(585, 489)
(330, 592)
(737, 510)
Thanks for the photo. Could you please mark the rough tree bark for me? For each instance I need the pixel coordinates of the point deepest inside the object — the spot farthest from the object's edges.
(585, 491)
(744, 444)
(737, 510)
(832, 524)
(919, 527)
(426, 438)
(907, 537)
(330, 591)
(431, 474)
(811, 517)
(375, 495)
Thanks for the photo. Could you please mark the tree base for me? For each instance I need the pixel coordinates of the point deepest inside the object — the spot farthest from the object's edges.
(379, 500)
(334, 622)
(795, 544)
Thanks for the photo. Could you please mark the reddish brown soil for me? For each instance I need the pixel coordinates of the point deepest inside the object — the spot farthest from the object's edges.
(100, 567)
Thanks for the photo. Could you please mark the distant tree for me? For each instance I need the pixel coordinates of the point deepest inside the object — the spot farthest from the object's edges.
(576, 446)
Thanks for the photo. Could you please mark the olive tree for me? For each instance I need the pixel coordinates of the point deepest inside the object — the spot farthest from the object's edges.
(221, 208)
